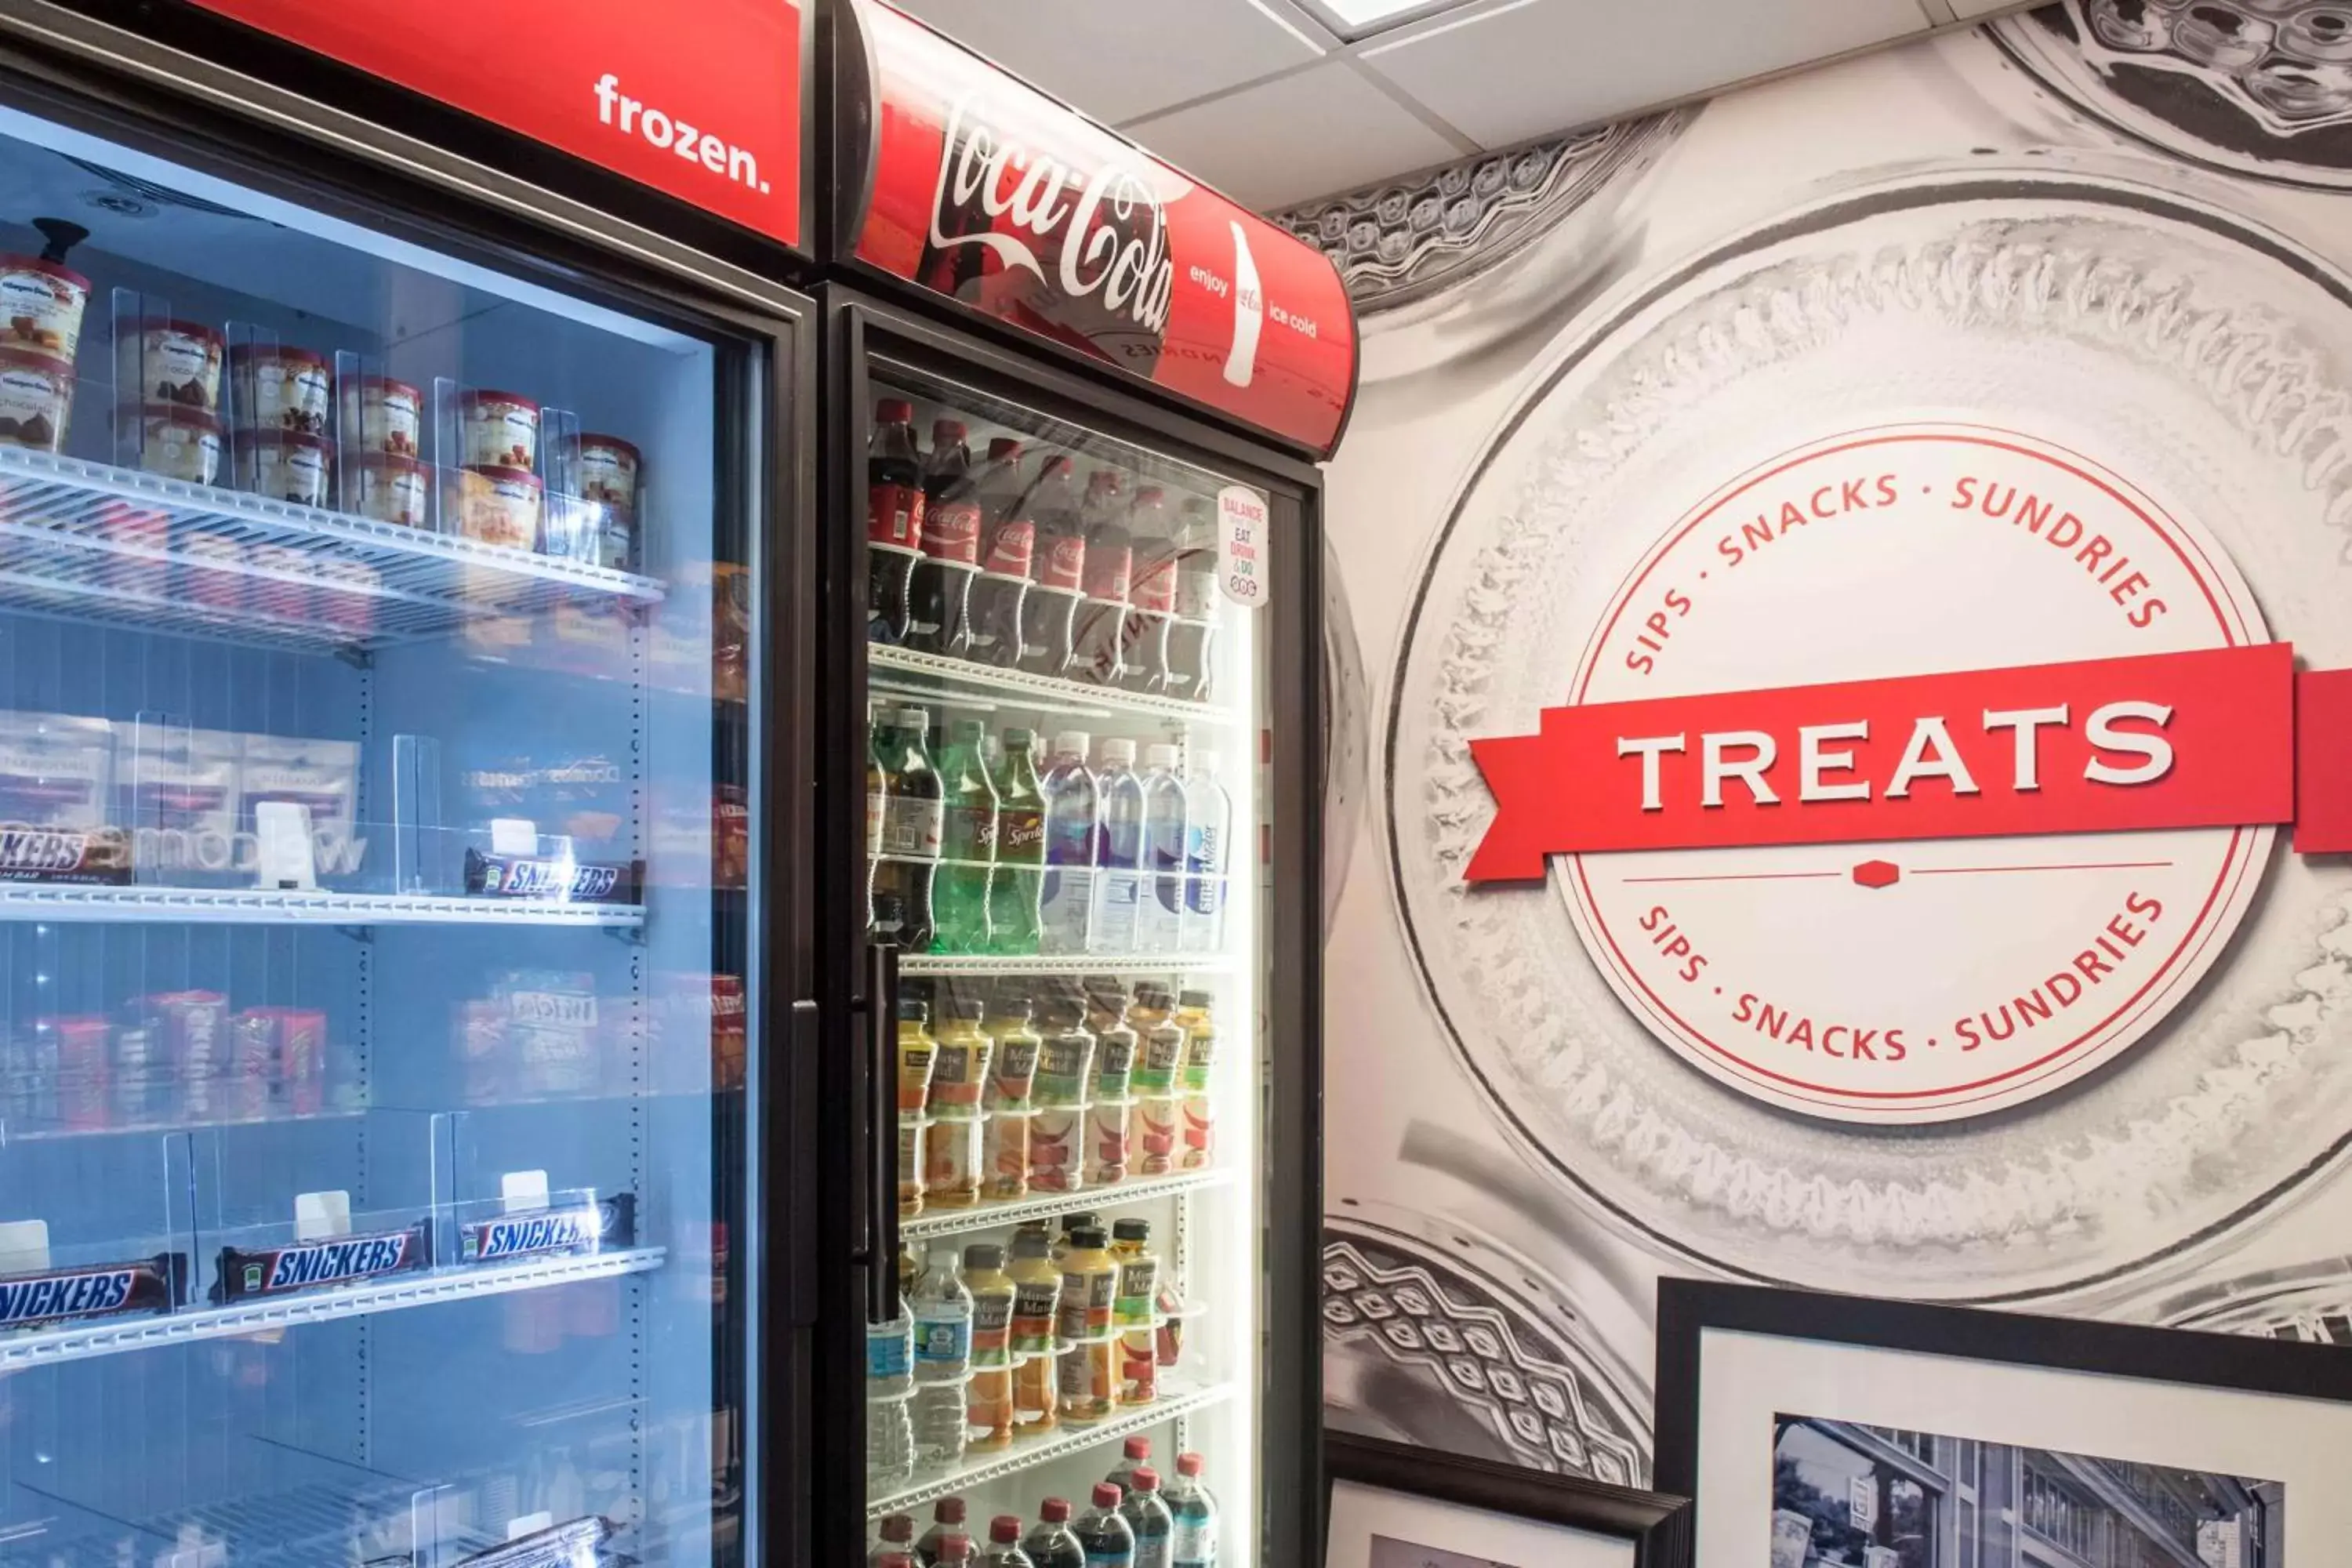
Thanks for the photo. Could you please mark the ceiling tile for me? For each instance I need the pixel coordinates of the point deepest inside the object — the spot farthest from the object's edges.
(1120, 59)
(1526, 68)
(1326, 129)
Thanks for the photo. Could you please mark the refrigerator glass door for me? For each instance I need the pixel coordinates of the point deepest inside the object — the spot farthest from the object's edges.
(377, 725)
(1067, 661)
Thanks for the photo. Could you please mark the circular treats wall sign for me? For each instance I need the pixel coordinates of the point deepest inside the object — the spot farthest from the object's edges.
(1838, 830)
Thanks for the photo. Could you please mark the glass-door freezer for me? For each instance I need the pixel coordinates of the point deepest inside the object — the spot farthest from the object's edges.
(383, 635)
(1085, 904)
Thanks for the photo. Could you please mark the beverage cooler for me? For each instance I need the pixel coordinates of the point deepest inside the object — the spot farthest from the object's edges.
(390, 944)
(1078, 929)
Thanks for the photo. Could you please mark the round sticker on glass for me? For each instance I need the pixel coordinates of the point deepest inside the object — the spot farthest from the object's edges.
(1241, 545)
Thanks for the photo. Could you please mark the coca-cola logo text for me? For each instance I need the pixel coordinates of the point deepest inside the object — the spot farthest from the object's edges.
(1106, 229)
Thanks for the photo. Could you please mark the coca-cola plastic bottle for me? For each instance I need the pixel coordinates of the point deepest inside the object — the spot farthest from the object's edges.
(1056, 570)
(1193, 635)
(1000, 591)
(1152, 595)
(941, 586)
(894, 518)
(1111, 563)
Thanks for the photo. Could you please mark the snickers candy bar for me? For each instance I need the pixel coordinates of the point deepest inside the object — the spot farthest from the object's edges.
(559, 882)
(97, 855)
(575, 1544)
(542, 1233)
(106, 1291)
(247, 1275)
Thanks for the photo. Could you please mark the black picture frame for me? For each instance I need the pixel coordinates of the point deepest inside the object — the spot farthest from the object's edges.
(1689, 1310)
(1657, 1524)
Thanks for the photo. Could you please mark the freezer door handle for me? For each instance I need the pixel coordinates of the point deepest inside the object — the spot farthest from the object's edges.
(882, 1134)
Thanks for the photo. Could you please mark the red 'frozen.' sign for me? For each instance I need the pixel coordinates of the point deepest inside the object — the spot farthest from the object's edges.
(706, 110)
(990, 193)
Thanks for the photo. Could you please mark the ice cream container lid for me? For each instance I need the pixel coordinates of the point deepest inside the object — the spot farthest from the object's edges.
(16, 357)
(180, 414)
(286, 351)
(398, 462)
(187, 328)
(498, 475)
(10, 262)
(614, 442)
(481, 395)
(385, 383)
(275, 437)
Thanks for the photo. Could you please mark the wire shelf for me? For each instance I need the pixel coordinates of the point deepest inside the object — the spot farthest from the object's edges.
(982, 1470)
(247, 906)
(98, 543)
(83, 1341)
(994, 1216)
(1052, 964)
(1043, 692)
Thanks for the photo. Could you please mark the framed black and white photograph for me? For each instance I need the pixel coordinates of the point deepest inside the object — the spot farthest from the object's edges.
(1822, 1431)
(1394, 1506)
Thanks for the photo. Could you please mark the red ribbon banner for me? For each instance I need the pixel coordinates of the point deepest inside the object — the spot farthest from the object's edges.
(2205, 738)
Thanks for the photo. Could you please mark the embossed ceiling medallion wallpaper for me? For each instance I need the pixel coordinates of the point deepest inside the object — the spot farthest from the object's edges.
(2008, 374)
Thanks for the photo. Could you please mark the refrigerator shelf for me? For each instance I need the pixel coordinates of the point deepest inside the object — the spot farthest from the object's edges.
(1057, 965)
(1045, 693)
(100, 542)
(981, 1469)
(55, 1132)
(992, 1216)
(82, 1341)
(258, 906)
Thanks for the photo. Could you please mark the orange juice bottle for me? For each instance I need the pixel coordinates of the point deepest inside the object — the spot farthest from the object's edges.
(917, 1054)
(1083, 1325)
(989, 1400)
(1009, 1102)
(1152, 1127)
(1195, 1105)
(1037, 1298)
(1134, 1308)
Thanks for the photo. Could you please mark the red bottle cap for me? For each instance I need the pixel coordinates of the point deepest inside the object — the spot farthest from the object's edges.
(1058, 465)
(1107, 1495)
(1002, 449)
(1188, 1464)
(949, 432)
(898, 1526)
(1147, 1480)
(1138, 1448)
(894, 411)
(949, 1512)
(1054, 1510)
(898, 1560)
(1004, 1529)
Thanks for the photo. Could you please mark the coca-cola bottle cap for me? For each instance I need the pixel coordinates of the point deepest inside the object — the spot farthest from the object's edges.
(1003, 449)
(1058, 465)
(1147, 1480)
(949, 432)
(1150, 495)
(898, 1526)
(1138, 1448)
(1107, 1495)
(1188, 1464)
(1054, 1510)
(894, 411)
(950, 1509)
(1004, 1529)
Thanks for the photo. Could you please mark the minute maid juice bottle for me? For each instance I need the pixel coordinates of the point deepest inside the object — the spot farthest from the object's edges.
(1152, 1127)
(917, 1054)
(1108, 1148)
(1009, 1102)
(1064, 1064)
(1195, 1104)
(1083, 1324)
(951, 1148)
(1036, 1301)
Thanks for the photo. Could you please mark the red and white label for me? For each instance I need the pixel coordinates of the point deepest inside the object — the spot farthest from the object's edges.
(1913, 774)
(1010, 549)
(992, 194)
(951, 532)
(1062, 564)
(707, 110)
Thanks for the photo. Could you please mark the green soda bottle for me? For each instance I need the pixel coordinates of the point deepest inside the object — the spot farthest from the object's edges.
(1020, 878)
(967, 844)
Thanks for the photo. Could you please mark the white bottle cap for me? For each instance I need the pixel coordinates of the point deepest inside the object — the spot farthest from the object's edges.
(1161, 756)
(1204, 762)
(1119, 754)
(1072, 744)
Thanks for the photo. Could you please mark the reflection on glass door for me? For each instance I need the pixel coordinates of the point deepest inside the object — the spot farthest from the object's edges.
(1063, 819)
(376, 736)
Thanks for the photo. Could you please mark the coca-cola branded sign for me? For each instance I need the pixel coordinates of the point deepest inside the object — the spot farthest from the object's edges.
(2038, 860)
(707, 109)
(990, 193)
